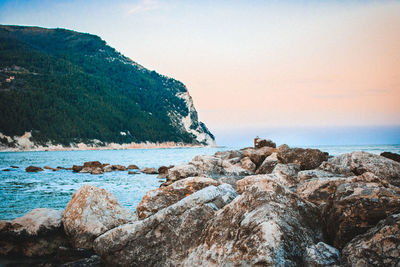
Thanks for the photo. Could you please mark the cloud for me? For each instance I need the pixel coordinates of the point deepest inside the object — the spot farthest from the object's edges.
(145, 5)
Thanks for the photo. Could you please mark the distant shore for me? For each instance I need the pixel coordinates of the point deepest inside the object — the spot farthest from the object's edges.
(111, 146)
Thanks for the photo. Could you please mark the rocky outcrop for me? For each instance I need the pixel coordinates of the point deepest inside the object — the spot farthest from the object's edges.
(38, 233)
(380, 246)
(163, 197)
(307, 159)
(358, 205)
(268, 164)
(360, 162)
(267, 225)
(33, 169)
(390, 155)
(91, 212)
(259, 143)
(165, 238)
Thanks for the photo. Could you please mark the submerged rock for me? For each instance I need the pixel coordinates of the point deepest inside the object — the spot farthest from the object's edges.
(380, 246)
(161, 198)
(77, 168)
(33, 169)
(91, 212)
(38, 233)
(149, 171)
(267, 225)
(165, 238)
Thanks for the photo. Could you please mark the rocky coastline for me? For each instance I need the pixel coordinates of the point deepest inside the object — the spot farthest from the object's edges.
(258, 206)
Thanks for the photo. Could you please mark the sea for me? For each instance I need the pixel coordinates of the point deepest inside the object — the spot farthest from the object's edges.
(21, 192)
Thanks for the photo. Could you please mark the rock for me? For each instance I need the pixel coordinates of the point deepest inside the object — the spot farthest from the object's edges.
(182, 171)
(320, 191)
(107, 168)
(379, 246)
(163, 171)
(357, 206)
(286, 174)
(247, 164)
(268, 164)
(60, 168)
(133, 167)
(390, 155)
(6, 170)
(165, 238)
(38, 233)
(132, 172)
(335, 169)
(118, 168)
(321, 255)
(161, 198)
(47, 168)
(259, 143)
(257, 155)
(14, 167)
(230, 154)
(149, 170)
(93, 164)
(306, 158)
(91, 212)
(96, 171)
(267, 225)
(33, 169)
(86, 170)
(77, 168)
(360, 162)
(315, 174)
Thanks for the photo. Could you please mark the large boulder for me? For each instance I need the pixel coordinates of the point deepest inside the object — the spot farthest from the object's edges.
(267, 225)
(257, 155)
(380, 246)
(303, 176)
(307, 159)
(91, 212)
(163, 197)
(93, 164)
(392, 156)
(182, 171)
(286, 174)
(38, 233)
(321, 255)
(165, 238)
(268, 165)
(357, 205)
(360, 162)
(247, 164)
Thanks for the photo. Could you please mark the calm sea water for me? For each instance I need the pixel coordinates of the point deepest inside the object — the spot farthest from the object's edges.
(21, 192)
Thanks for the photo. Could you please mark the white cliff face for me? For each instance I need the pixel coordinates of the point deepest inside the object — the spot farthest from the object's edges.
(189, 124)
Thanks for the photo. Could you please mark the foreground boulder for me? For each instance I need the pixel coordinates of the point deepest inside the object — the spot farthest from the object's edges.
(91, 212)
(165, 238)
(360, 162)
(380, 246)
(33, 169)
(163, 197)
(38, 233)
(357, 205)
(267, 225)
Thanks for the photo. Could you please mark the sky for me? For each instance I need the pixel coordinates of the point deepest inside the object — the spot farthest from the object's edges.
(313, 72)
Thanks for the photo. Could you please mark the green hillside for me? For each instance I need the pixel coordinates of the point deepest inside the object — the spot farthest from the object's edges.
(72, 87)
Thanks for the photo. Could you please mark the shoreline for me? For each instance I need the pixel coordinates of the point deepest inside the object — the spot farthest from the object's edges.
(112, 146)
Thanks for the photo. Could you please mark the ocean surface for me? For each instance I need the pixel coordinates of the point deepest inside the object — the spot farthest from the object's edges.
(21, 192)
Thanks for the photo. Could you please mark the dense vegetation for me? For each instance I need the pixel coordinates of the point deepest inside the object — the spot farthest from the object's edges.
(72, 87)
